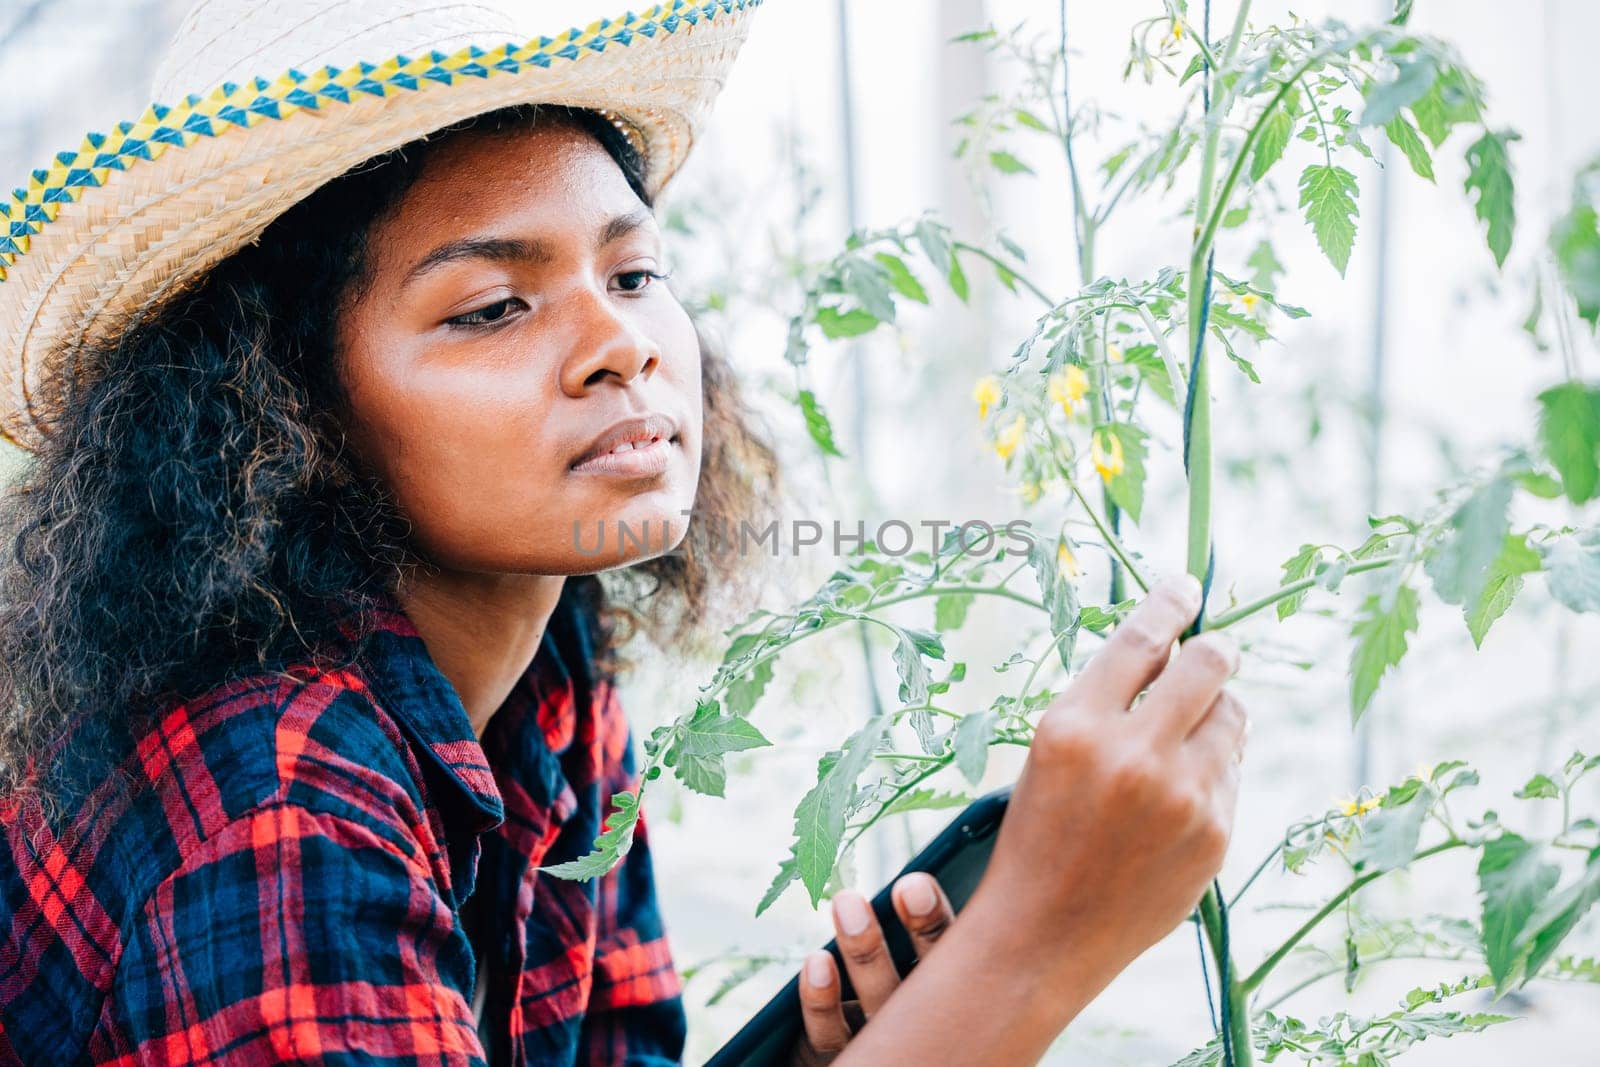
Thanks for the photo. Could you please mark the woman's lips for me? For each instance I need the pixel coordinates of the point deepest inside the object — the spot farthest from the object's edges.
(642, 459)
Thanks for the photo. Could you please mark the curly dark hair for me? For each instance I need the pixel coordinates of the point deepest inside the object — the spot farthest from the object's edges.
(196, 513)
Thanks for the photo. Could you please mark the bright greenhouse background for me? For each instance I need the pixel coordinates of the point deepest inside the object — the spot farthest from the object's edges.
(807, 142)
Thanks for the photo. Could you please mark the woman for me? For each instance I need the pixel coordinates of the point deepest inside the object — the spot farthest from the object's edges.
(307, 671)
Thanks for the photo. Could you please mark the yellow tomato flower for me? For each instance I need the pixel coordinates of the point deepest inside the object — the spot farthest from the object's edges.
(1010, 437)
(1249, 300)
(987, 393)
(1108, 463)
(1350, 807)
(1177, 30)
(1066, 562)
(1031, 492)
(1068, 388)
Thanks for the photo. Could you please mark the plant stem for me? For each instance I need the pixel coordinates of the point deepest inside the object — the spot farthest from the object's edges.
(1198, 456)
(1259, 975)
(1228, 618)
(1110, 538)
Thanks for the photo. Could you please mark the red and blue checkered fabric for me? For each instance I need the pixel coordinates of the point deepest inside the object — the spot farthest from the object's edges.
(284, 869)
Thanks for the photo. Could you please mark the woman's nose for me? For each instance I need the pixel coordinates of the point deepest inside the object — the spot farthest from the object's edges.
(606, 342)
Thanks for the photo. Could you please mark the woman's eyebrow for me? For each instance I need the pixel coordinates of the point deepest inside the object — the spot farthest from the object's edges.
(518, 249)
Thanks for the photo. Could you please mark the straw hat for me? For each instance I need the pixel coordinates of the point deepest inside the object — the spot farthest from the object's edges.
(262, 101)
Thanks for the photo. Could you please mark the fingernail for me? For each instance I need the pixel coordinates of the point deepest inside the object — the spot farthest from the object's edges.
(818, 973)
(851, 909)
(919, 896)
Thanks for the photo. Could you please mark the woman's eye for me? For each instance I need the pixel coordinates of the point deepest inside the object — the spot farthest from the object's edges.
(485, 316)
(645, 276)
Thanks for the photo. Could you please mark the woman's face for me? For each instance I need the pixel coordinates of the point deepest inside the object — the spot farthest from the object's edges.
(511, 337)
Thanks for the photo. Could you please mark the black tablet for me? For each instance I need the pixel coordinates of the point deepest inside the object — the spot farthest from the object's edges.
(957, 858)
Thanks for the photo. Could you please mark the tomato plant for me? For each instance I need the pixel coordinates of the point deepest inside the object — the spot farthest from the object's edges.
(1068, 416)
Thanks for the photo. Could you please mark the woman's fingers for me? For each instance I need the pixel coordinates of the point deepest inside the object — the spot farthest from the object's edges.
(1138, 649)
(821, 1009)
(866, 954)
(1184, 692)
(923, 909)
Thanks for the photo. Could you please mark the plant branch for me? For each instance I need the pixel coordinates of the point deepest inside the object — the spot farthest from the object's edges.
(1259, 975)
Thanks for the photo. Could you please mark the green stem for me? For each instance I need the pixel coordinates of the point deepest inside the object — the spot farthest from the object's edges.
(1259, 975)
(962, 246)
(1110, 539)
(1228, 618)
(1198, 435)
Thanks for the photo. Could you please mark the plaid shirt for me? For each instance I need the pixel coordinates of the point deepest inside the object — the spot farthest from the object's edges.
(304, 863)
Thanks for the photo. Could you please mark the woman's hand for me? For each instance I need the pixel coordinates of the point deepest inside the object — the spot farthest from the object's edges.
(924, 911)
(1117, 823)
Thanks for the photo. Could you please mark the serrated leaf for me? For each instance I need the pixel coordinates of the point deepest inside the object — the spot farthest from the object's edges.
(913, 671)
(1380, 644)
(1569, 432)
(971, 740)
(741, 695)
(1264, 266)
(1501, 586)
(1296, 567)
(1327, 195)
(819, 819)
(1404, 136)
(1539, 787)
(613, 842)
(1270, 142)
(1058, 596)
(696, 754)
(1489, 185)
(1127, 486)
(1513, 879)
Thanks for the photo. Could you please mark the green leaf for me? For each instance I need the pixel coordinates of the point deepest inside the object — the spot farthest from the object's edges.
(1404, 136)
(950, 611)
(1327, 194)
(838, 324)
(1381, 643)
(913, 671)
(869, 283)
(931, 237)
(926, 799)
(972, 736)
(1477, 533)
(1297, 566)
(1569, 432)
(616, 837)
(699, 745)
(817, 424)
(1489, 183)
(1502, 584)
(1270, 142)
(1539, 787)
(1127, 487)
(1514, 880)
(1574, 566)
(1389, 835)
(1559, 914)
(1027, 118)
(819, 819)
(1264, 266)
(1575, 240)
(1147, 363)
(1385, 99)
(1058, 596)
(1006, 163)
(900, 277)
(958, 279)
